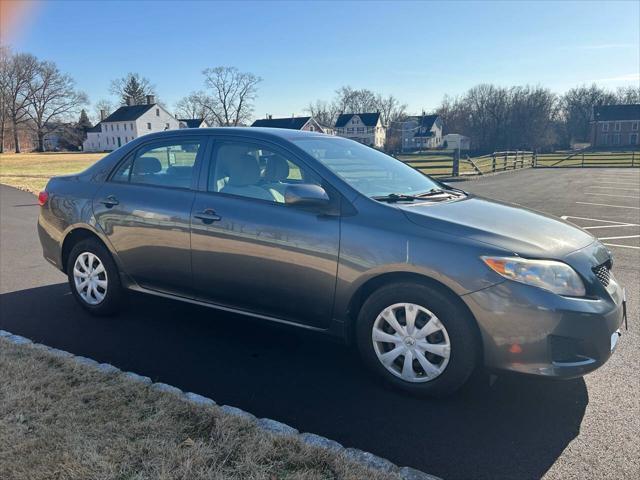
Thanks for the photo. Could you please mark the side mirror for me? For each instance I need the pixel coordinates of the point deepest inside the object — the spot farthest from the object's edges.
(306, 195)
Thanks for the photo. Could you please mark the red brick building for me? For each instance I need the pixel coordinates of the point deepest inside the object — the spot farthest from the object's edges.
(615, 125)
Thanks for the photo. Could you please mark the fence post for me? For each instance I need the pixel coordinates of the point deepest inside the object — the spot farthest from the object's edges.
(633, 157)
(582, 164)
(456, 163)
(493, 162)
(534, 159)
(506, 159)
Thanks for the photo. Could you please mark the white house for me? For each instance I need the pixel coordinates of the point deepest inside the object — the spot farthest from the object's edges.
(455, 141)
(307, 124)
(421, 132)
(193, 123)
(127, 123)
(365, 128)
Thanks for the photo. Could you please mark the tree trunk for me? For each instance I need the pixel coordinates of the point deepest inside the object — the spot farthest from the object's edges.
(16, 140)
(40, 141)
(2, 135)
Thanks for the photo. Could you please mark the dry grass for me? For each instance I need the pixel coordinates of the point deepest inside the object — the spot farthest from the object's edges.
(60, 420)
(32, 171)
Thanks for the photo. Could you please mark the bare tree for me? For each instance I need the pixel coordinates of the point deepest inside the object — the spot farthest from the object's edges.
(18, 72)
(577, 107)
(325, 113)
(52, 97)
(133, 87)
(5, 57)
(102, 105)
(628, 95)
(230, 102)
(193, 106)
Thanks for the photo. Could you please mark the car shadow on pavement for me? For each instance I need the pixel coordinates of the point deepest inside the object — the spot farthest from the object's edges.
(515, 428)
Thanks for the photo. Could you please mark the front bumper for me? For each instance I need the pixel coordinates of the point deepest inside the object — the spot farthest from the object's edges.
(529, 330)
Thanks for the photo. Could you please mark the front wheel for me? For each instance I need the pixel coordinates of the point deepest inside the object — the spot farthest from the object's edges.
(94, 279)
(417, 339)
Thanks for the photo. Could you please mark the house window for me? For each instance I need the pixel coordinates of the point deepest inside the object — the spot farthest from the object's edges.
(355, 121)
(634, 126)
(605, 139)
(360, 129)
(605, 127)
(157, 112)
(148, 126)
(616, 139)
(617, 126)
(350, 130)
(112, 127)
(124, 127)
(131, 127)
(117, 126)
(633, 138)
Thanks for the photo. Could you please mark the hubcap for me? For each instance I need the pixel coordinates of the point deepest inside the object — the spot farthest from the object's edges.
(411, 342)
(90, 278)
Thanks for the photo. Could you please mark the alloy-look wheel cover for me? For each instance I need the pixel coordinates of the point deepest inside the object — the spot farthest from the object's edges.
(90, 278)
(411, 342)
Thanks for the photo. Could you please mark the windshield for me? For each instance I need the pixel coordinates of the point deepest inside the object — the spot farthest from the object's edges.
(369, 171)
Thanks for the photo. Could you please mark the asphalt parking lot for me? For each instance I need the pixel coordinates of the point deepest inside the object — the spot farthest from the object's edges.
(514, 428)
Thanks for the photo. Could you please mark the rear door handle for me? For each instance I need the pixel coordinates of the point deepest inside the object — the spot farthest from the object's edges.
(208, 216)
(110, 201)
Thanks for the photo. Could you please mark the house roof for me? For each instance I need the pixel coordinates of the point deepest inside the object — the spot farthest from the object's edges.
(369, 119)
(292, 123)
(605, 113)
(425, 121)
(96, 128)
(128, 112)
(191, 122)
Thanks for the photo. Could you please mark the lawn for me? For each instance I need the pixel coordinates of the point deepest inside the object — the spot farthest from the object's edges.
(62, 420)
(31, 171)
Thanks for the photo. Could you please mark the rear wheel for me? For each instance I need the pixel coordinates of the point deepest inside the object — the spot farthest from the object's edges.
(93, 278)
(417, 339)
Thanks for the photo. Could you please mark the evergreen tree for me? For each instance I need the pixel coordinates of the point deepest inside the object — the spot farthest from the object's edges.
(133, 87)
(84, 123)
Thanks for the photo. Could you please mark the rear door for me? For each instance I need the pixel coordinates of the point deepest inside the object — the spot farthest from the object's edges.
(252, 251)
(144, 210)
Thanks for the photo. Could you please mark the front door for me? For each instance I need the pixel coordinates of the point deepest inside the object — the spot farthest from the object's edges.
(144, 210)
(250, 250)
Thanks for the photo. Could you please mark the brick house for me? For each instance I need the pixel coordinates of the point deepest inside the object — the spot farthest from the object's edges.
(615, 125)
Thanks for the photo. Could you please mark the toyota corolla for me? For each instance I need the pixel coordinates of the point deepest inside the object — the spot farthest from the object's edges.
(321, 232)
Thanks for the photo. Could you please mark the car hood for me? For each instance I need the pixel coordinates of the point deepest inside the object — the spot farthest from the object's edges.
(510, 227)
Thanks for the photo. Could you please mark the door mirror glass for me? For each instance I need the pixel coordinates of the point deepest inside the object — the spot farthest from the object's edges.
(306, 195)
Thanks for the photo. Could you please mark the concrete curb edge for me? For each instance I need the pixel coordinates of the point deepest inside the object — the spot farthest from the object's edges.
(268, 425)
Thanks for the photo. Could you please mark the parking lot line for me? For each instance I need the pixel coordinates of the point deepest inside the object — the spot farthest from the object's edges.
(619, 238)
(609, 195)
(564, 217)
(621, 246)
(607, 205)
(611, 188)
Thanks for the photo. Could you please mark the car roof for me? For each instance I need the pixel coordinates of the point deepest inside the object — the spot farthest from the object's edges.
(255, 132)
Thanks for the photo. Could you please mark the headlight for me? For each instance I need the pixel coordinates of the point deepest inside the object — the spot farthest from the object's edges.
(556, 277)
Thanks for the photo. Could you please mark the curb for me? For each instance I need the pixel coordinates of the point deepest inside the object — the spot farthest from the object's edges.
(268, 425)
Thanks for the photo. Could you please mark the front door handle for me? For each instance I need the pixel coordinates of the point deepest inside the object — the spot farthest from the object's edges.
(208, 216)
(110, 201)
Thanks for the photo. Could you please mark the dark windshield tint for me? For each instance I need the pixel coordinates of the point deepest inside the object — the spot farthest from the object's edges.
(369, 171)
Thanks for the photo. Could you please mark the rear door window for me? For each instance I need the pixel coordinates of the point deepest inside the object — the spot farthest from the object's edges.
(166, 165)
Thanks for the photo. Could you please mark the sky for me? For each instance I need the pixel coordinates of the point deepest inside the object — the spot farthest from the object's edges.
(417, 51)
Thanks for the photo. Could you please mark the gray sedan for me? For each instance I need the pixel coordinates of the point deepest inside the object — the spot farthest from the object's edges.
(326, 234)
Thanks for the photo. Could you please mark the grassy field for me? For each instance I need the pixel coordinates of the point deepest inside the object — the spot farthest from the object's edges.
(31, 171)
(61, 420)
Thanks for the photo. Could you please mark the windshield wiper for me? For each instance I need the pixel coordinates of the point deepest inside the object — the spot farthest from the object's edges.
(395, 197)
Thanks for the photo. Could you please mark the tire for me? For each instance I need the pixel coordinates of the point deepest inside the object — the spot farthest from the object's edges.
(106, 298)
(451, 333)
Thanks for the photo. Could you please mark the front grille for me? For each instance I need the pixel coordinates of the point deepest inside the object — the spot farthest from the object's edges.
(603, 273)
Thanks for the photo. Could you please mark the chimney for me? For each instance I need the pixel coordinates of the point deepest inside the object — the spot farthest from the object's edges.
(103, 114)
(151, 99)
(127, 101)
(269, 117)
